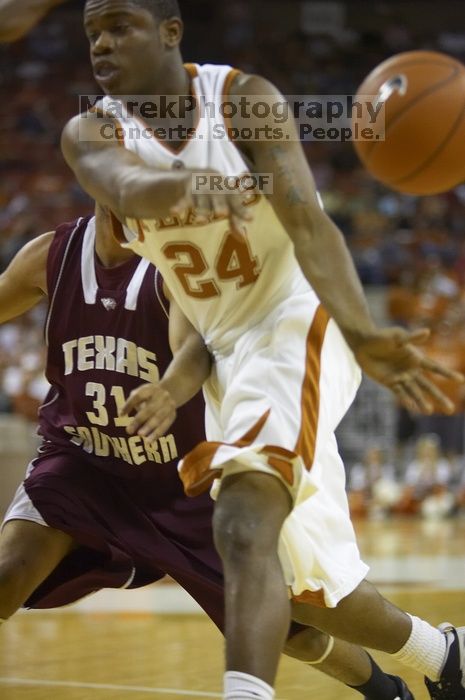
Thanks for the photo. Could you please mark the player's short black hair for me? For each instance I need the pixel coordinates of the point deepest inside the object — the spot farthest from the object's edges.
(160, 9)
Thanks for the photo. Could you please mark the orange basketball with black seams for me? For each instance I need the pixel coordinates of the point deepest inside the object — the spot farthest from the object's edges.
(423, 150)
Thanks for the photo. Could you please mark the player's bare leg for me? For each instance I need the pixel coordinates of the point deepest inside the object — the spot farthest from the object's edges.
(364, 617)
(28, 554)
(249, 514)
(347, 663)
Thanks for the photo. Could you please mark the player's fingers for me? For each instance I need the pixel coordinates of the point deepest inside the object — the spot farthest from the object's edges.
(203, 205)
(432, 366)
(418, 336)
(156, 423)
(439, 397)
(185, 202)
(141, 419)
(403, 396)
(160, 430)
(220, 206)
(136, 398)
(417, 395)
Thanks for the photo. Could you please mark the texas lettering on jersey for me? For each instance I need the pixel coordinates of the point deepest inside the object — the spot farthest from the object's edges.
(105, 352)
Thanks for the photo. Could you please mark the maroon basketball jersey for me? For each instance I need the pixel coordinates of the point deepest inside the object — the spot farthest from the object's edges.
(107, 333)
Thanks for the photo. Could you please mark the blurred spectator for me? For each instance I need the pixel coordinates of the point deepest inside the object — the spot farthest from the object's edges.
(372, 488)
(427, 482)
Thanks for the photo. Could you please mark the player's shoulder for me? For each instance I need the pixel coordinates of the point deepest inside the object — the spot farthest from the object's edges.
(30, 263)
(252, 84)
(233, 81)
(73, 227)
(39, 246)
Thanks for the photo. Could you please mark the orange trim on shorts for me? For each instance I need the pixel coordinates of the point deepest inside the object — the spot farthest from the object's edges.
(281, 459)
(310, 400)
(195, 471)
(315, 598)
(233, 73)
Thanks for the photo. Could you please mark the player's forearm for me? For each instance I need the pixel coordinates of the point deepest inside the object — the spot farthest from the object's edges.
(116, 177)
(145, 193)
(188, 370)
(18, 16)
(327, 264)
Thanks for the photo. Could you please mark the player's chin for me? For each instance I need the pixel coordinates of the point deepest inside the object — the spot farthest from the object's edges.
(111, 83)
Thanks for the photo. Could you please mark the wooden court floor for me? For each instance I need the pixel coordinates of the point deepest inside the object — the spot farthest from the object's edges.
(76, 656)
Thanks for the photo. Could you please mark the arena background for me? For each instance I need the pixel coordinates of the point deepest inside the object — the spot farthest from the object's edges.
(409, 252)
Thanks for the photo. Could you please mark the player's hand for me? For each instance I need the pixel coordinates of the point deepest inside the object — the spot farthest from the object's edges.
(214, 204)
(155, 411)
(392, 357)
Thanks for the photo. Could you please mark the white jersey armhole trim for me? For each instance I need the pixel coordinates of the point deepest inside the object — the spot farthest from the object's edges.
(88, 276)
(60, 275)
(157, 292)
(133, 289)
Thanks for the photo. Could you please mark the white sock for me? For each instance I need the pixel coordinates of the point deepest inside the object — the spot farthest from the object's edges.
(242, 686)
(425, 649)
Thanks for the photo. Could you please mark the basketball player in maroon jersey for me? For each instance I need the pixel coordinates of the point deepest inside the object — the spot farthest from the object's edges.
(120, 34)
(98, 508)
(17, 17)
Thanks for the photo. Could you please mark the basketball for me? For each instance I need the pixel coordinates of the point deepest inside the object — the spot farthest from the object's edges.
(423, 151)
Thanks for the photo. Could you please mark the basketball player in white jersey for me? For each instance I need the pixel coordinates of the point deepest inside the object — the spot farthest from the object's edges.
(252, 278)
(17, 17)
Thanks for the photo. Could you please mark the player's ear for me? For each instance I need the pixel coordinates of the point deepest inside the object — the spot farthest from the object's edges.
(171, 32)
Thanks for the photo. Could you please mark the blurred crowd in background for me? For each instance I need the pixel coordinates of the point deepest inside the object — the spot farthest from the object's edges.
(409, 252)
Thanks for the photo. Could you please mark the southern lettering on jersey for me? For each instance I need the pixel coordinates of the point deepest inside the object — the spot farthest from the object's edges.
(107, 335)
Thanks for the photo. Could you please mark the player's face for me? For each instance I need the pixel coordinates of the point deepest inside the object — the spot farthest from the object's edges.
(125, 46)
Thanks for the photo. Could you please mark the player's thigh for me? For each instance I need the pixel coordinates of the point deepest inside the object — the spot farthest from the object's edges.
(29, 552)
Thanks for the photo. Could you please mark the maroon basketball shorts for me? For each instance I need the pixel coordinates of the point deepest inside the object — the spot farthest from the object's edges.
(130, 531)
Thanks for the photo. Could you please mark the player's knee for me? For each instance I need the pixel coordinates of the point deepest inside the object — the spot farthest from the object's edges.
(249, 515)
(308, 644)
(234, 531)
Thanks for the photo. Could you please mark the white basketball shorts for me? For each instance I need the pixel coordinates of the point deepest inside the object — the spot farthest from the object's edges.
(273, 405)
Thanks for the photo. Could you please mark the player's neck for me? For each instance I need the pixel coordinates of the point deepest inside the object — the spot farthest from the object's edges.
(175, 79)
(171, 79)
(111, 255)
(107, 248)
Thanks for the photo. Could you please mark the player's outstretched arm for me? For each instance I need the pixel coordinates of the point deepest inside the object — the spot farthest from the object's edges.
(17, 17)
(114, 176)
(391, 356)
(24, 283)
(155, 404)
(117, 178)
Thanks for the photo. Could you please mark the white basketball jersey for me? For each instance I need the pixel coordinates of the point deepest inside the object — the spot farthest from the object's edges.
(224, 285)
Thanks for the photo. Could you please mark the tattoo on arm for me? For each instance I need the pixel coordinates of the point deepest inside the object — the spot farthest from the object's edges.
(294, 193)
